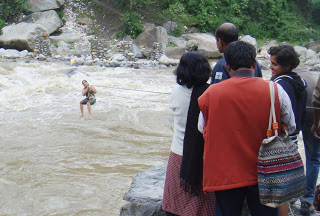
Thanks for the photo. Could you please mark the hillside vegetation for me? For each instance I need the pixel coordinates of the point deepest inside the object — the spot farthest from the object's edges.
(294, 21)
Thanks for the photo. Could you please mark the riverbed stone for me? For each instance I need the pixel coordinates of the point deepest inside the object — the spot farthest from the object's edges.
(155, 35)
(314, 45)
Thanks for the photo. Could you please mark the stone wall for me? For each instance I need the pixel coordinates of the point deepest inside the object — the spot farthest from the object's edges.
(41, 45)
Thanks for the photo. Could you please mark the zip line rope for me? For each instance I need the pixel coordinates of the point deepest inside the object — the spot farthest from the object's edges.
(155, 92)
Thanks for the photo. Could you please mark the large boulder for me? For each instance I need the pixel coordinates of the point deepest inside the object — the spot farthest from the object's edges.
(251, 40)
(207, 44)
(157, 34)
(21, 36)
(170, 26)
(302, 51)
(48, 19)
(145, 194)
(315, 46)
(44, 5)
(66, 37)
(178, 41)
(174, 52)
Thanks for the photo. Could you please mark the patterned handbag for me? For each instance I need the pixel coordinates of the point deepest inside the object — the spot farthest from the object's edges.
(281, 177)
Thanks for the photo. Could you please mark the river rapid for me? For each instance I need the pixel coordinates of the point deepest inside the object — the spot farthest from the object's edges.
(51, 162)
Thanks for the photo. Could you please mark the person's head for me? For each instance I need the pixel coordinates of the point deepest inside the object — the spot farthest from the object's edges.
(225, 34)
(240, 54)
(193, 70)
(85, 83)
(283, 59)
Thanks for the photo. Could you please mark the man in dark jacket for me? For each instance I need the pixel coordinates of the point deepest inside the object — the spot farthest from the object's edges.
(225, 34)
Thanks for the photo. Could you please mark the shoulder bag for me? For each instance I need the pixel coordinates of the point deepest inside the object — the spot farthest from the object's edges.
(281, 177)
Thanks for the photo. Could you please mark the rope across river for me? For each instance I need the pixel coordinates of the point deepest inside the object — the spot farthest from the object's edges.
(127, 89)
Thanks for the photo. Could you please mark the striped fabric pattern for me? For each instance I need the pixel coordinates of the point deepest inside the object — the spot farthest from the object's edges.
(177, 201)
(281, 177)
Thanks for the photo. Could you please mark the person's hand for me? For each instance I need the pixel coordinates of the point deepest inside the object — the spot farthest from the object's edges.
(315, 131)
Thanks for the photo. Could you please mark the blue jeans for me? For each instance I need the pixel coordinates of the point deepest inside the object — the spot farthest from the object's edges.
(312, 151)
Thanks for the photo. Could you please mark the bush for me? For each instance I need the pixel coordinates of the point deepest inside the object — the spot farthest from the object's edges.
(131, 24)
(10, 8)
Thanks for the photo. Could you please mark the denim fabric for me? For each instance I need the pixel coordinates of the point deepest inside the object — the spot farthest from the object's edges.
(312, 151)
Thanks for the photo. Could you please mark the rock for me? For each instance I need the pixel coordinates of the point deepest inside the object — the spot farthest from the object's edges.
(302, 51)
(117, 58)
(148, 26)
(192, 45)
(66, 37)
(85, 21)
(136, 51)
(145, 194)
(48, 19)
(157, 34)
(179, 42)
(170, 26)
(311, 54)
(250, 40)
(164, 60)
(314, 45)
(264, 65)
(44, 5)
(207, 44)
(315, 67)
(21, 36)
(42, 57)
(174, 52)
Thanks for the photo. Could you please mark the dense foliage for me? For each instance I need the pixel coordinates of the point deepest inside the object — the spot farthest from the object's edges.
(284, 20)
(9, 8)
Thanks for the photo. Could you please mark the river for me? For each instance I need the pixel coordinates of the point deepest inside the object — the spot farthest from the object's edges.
(51, 162)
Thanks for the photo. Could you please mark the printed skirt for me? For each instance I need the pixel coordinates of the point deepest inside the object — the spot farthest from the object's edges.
(179, 202)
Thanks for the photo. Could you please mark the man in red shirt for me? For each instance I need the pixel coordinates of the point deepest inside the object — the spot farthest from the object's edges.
(234, 119)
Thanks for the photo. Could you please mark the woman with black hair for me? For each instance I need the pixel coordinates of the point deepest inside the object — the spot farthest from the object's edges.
(183, 193)
(283, 60)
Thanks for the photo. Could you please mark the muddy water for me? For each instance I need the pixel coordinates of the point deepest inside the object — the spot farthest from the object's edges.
(51, 162)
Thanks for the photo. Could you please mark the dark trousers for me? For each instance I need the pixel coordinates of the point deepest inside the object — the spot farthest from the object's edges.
(230, 202)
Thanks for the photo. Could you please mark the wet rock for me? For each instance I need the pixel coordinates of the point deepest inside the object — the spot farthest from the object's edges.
(145, 194)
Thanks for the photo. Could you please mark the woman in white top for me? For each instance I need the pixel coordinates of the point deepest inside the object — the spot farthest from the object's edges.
(180, 197)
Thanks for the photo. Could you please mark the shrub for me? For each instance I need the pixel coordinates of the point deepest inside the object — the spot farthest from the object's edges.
(10, 8)
(131, 24)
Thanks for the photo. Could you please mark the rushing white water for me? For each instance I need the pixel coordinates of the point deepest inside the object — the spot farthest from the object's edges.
(52, 163)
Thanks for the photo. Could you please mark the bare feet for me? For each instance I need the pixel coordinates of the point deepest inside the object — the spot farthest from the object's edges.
(81, 116)
(89, 117)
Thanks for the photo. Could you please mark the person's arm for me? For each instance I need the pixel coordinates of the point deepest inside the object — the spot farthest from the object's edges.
(287, 115)
(316, 123)
(316, 112)
(92, 90)
(84, 91)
